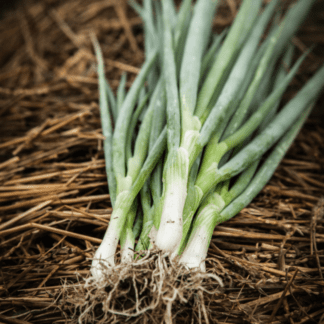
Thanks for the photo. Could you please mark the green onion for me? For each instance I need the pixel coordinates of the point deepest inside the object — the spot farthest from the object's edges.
(203, 112)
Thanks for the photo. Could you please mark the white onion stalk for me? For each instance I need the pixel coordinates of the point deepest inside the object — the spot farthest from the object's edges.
(170, 231)
(195, 252)
(105, 254)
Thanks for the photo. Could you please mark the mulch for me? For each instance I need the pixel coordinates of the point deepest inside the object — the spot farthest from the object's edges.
(54, 202)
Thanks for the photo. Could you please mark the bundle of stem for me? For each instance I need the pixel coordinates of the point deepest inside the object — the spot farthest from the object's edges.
(200, 132)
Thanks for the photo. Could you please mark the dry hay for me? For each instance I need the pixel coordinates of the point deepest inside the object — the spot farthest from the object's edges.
(54, 204)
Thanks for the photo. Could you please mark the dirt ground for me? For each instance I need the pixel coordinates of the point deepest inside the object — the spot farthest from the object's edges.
(54, 202)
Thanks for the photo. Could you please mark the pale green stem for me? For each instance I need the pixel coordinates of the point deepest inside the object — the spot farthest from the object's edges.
(197, 39)
(231, 47)
(211, 55)
(105, 122)
(127, 238)
(121, 91)
(123, 121)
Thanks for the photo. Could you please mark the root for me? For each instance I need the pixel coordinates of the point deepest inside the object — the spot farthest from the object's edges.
(152, 289)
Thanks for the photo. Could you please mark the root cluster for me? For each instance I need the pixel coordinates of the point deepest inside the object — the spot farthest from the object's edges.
(150, 290)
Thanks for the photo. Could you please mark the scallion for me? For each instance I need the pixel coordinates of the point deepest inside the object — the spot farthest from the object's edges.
(202, 112)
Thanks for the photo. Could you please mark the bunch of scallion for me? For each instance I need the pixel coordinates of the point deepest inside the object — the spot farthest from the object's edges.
(201, 130)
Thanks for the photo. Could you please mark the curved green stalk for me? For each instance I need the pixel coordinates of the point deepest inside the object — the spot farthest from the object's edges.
(105, 123)
(123, 121)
